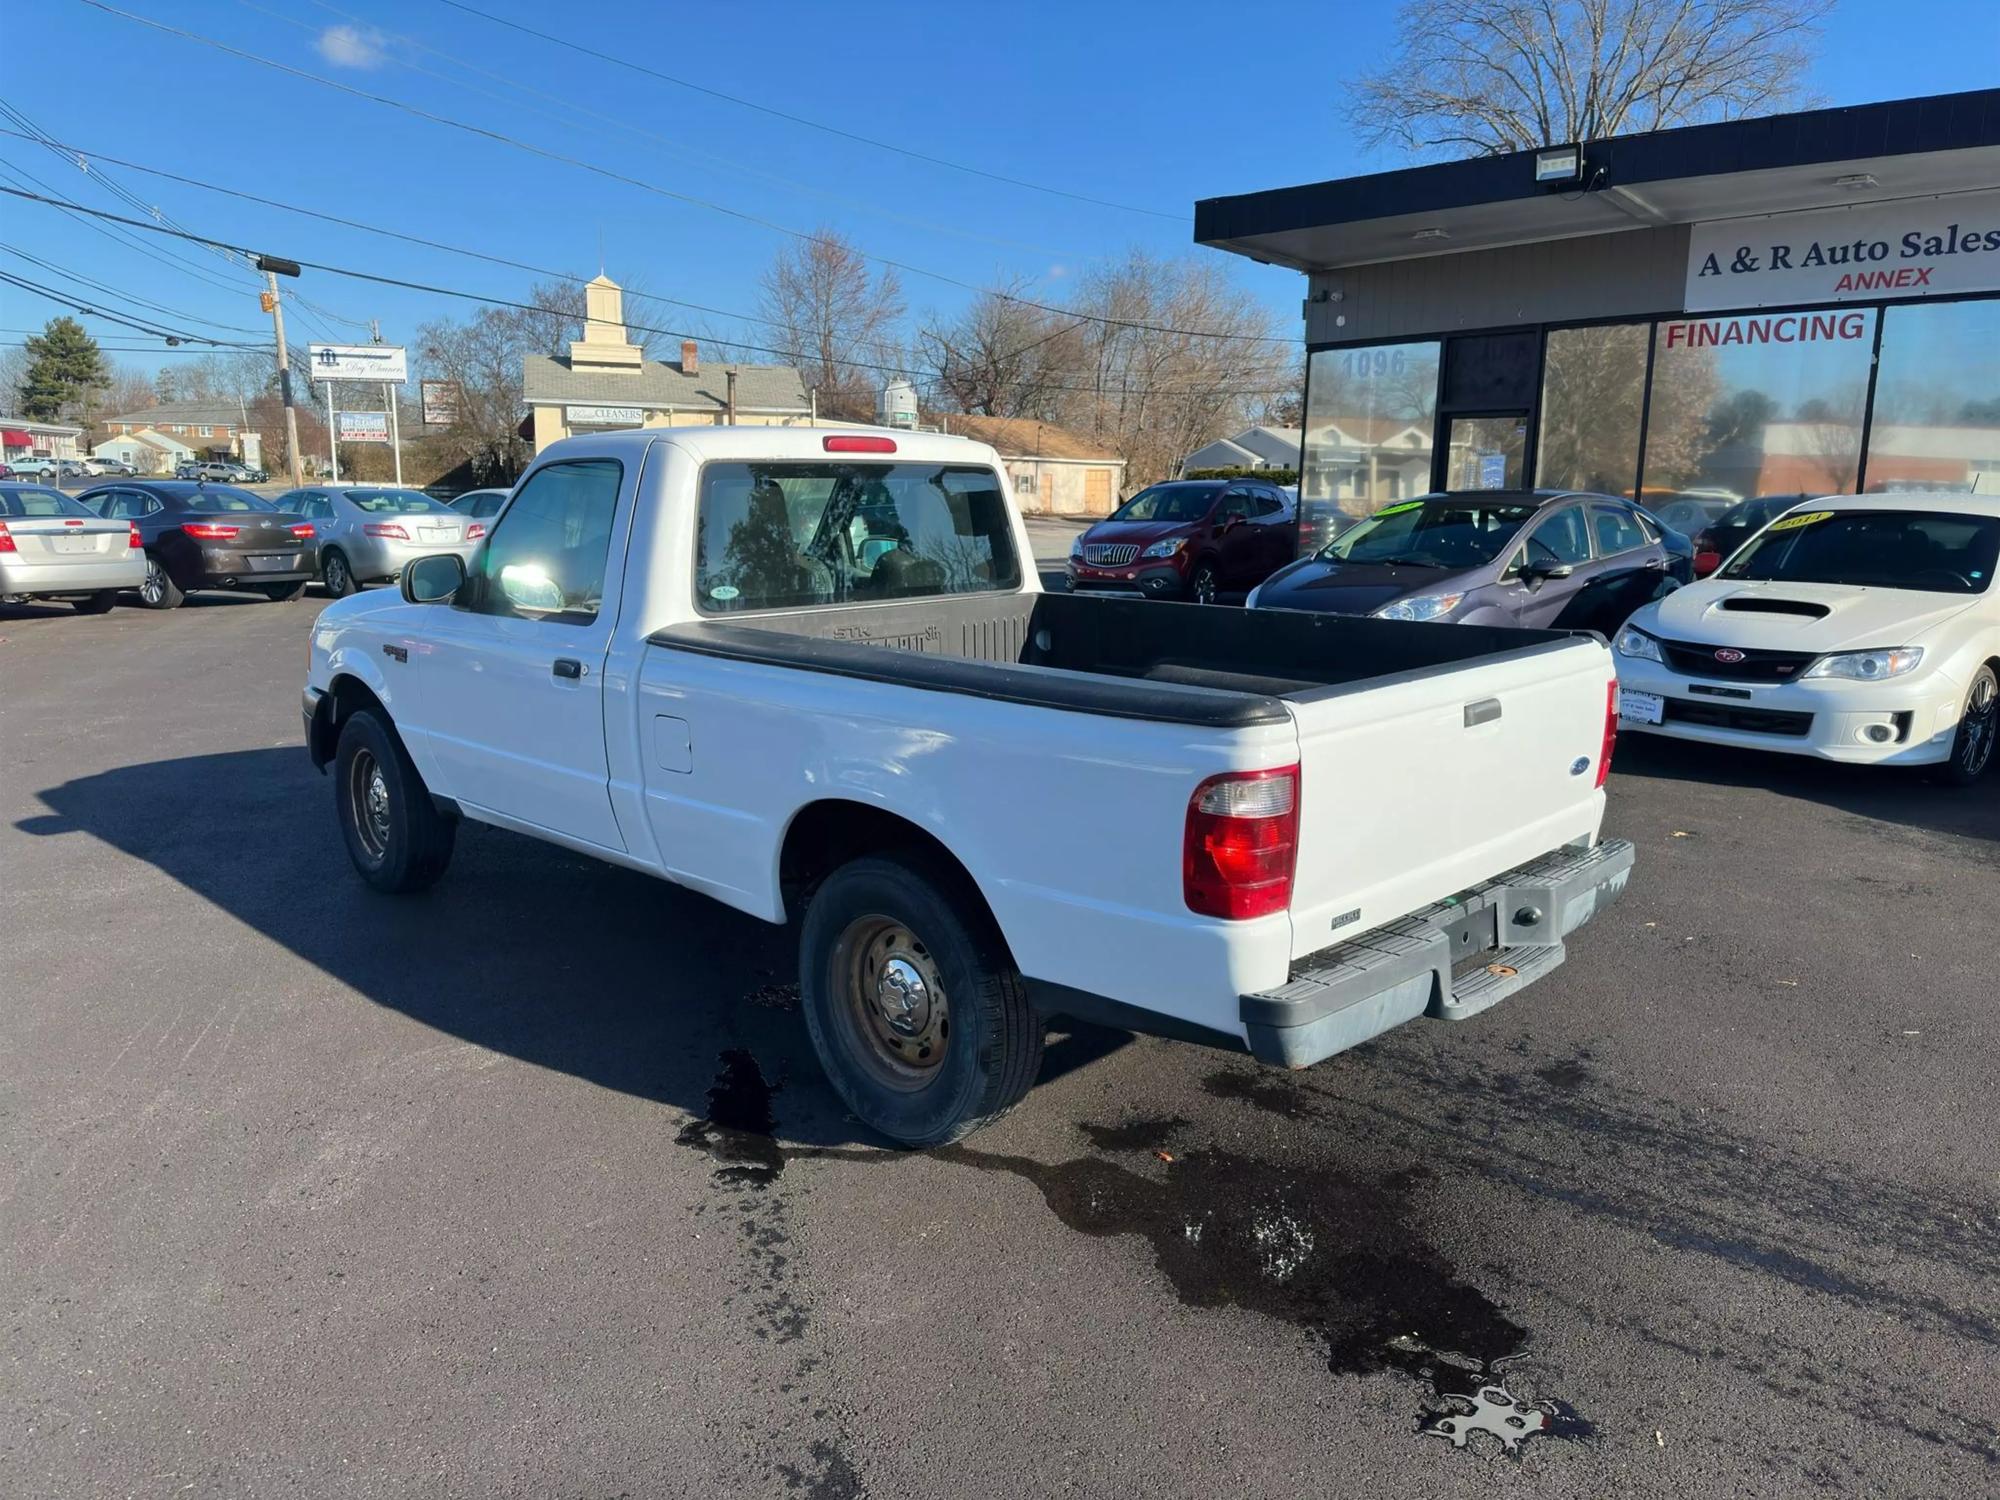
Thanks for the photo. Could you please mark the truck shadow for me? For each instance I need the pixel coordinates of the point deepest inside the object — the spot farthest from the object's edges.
(523, 948)
(1901, 796)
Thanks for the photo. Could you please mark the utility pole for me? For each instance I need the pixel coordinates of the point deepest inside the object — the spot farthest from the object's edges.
(271, 266)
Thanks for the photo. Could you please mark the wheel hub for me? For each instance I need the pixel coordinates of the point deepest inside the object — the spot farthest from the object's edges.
(904, 998)
(896, 999)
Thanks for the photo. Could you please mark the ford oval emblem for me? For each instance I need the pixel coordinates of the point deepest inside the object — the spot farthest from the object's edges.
(1578, 766)
(1728, 653)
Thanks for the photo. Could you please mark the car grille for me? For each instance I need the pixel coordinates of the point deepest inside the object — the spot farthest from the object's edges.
(1109, 554)
(1756, 666)
(1748, 720)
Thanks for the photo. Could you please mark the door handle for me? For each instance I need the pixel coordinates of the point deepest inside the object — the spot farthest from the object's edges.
(569, 667)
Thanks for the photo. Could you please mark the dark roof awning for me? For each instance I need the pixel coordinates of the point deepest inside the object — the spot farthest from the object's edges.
(1945, 143)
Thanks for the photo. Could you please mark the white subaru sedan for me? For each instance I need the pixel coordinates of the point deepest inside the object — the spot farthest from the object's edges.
(1860, 628)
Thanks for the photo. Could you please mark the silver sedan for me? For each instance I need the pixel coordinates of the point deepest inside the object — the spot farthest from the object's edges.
(364, 535)
(52, 547)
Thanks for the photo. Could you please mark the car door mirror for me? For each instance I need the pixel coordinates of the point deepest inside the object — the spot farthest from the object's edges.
(434, 579)
(1534, 575)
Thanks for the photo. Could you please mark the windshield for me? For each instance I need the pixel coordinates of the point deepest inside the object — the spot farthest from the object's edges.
(1933, 551)
(221, 497)
(1169, 502)
(395, 502)
(24, 501)
(1432, 534)
(1753, 513)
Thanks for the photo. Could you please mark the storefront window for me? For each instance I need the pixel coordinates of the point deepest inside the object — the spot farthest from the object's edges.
(1369, 420)
(1937, 400)
(1593, 390)
(1768, 404)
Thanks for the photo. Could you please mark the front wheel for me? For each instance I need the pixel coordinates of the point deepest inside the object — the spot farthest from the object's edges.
(156, 589)
(920, 1019)
(1978, 728)
(1203, 583)
(395, 835)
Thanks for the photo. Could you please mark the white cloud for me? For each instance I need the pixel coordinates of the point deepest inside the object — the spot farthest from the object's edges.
(352, 47)
(1057, 272)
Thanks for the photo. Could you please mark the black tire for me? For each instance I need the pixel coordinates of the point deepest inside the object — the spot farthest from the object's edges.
(280, 593)
(337, 574)
(395, 835)
(1203, 583)
(1972, 748)
(158, 590)
(985, 1036)
(99, 603)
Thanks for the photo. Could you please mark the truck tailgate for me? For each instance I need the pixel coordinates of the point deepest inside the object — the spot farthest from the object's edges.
(1415, 789)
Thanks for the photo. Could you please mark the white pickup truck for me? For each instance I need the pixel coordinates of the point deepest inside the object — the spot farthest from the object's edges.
(813, 675)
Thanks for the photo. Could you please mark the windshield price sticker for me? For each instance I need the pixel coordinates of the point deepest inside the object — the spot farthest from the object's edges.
(1397, 510)
(1793, 523)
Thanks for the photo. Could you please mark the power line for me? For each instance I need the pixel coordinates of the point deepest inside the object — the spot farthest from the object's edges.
(503, 302)
(610, 174)
(53, 269)
(62, 299)
(145, 349)
(765, 109)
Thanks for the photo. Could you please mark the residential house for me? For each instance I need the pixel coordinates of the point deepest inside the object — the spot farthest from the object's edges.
(147, 451)
(607, 382)
(213, 429)
(1253, 448)
(1365, 462)
(1052, 470)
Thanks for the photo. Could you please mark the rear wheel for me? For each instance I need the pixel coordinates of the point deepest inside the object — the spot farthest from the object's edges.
(156, 589)
(1978, 729)
(1203, 583)
(337, 575)
(919, 1017)
(99, 603)
(280, 593)
(395, 835)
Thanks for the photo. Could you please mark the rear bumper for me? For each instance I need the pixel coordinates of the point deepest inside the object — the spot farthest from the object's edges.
(376, 558)
(1345, 995)
(229, 568)
(123, 572)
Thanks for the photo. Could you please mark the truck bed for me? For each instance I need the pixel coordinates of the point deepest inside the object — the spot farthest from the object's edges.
(1126, 658)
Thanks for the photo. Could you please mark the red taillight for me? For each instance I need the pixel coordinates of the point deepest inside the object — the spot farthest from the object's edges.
(6, 541)
(1706, 563)
(1610, 730)
(1241, 844)
(132, 536)
(475, 531)
(851, 444)
(303, 531)
(386, 528)
(209, 531)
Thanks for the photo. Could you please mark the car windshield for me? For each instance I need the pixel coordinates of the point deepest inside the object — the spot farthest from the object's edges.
(221, 497)
(1753, 513)
(1432, 534)
(23, 502)
(1169, 502)
(1933, 551)
(395, 502)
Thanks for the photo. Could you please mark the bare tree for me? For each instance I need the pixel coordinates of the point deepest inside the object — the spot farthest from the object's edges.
(1481, 77)
(1003, 356)
(830, 314)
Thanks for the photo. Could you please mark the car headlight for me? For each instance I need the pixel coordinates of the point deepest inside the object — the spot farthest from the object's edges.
(1634, 642)
(1076, 548)
(1423, 607)
(1867, 666)
(1167, 548)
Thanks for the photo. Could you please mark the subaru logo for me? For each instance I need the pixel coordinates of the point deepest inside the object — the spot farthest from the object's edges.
(1728, 653)
(1578, 766)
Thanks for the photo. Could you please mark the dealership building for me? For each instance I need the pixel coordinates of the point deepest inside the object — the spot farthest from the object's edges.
(1802, 303)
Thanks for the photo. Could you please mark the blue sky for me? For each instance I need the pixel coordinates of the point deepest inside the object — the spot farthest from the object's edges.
(1147, 104)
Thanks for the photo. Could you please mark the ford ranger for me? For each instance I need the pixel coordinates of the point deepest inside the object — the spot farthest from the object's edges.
(812, 674)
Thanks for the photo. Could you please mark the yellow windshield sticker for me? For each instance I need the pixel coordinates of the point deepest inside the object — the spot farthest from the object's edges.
(1793, 523)
(1397, 510)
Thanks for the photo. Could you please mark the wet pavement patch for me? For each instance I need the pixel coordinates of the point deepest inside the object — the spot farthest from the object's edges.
(1142, 1133)
(1270, 1091)
(738, 1130)
(1570, 1074)
(1334, 1254)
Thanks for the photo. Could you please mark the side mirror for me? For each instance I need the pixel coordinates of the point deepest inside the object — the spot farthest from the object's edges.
(1534, 575)
(434, 579)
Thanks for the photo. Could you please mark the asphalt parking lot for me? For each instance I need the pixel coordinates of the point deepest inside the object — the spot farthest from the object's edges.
(309, 1191)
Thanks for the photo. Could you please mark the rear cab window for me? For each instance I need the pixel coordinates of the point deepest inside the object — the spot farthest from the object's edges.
(795, 535)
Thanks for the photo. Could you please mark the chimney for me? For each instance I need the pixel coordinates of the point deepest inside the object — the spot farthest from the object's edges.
(690, 357)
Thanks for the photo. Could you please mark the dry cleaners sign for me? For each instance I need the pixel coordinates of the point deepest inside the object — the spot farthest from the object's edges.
(1914, 248)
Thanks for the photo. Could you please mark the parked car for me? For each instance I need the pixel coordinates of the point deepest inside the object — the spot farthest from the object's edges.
(101, 468)
(208, 536)
(1735, 526)
(54, 547)
(481, 505)
(1190, 539)
(7, 472)
(1547, 558)
(34, 468)
(813, 674)
(365, 535)
(1687, 512)
(1864, 628)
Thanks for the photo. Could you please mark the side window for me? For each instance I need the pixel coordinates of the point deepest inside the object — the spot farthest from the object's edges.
(1270, 505)
(1234, 503)
(1560, 538)
(547, 557)
(1617, 530)
(320, 508)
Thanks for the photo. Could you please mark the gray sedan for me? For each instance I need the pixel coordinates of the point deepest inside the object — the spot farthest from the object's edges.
(366, 534)
(481, 505)
(53, 547)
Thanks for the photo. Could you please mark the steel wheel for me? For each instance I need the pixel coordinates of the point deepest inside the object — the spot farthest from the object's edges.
(1980, 728)
(894, 999)
(368, 804)
(1201, 588)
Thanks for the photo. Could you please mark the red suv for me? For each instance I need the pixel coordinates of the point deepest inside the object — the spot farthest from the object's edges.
(1189, 539)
